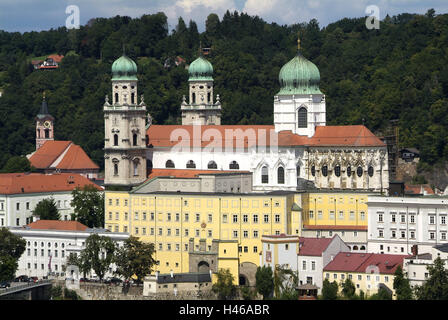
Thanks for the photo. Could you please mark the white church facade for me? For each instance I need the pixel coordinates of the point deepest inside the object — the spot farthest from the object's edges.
(297, 152)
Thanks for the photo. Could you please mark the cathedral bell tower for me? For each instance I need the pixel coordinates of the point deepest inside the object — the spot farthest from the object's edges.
(124, 123)
(44, 125)
(201, 109)
(299, 106)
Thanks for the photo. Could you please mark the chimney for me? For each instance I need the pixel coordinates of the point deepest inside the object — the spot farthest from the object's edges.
(414, 250)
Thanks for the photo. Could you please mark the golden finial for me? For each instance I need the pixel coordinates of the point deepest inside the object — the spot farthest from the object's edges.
(43, 95)
(298, 40)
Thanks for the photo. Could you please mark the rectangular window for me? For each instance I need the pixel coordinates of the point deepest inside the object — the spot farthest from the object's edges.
(255, 218)
(144, 216)
(210, 218)
(304, 265)
(403, 218)
(403, 234)
(311, 214)
(266, 218)
(432, 220)
(277, 218)
(224, 218)
(177, 232)
(380, 217)
(443, 235)
(393, 234)
(210, 233)
(245, 234)
(168, 217)
(255, 233)
(197, 232)
(412, 219)
(136, 216)
(432, 235)
(143, 231)
(352, 215)
(235, 218)
(331, 215)
(18, 206)
(341, 215)
(313, 265)
(152, 231)
(255, 249)
(380, 234)
(443, 219)
(168, 231)
(198, 217)
(186, 232)
(177, 217)
(319, 215)
(245, 218)
(235, 234)
(363, 215)
(186, 217)
(412, 234)
(151, 216)
(160, 231)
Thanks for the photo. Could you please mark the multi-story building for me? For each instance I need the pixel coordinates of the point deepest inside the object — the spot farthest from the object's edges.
(368, 271)
(21, 192)
(305, 256)
(329, 213)
(398, 223)
(197, 232)
(415, 266)
(50, 242)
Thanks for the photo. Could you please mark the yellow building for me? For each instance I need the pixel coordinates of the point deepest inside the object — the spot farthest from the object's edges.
(195, 232)
(368, 271)
(326, 213)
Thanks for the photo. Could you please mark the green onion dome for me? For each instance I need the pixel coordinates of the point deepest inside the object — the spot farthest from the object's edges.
(299, 76)
(200, 70)
(124, 68)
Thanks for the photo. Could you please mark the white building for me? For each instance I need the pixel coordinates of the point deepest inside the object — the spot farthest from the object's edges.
(305, 256)
(398, 223)
(21, 192)
(416, 265)
(50, 242)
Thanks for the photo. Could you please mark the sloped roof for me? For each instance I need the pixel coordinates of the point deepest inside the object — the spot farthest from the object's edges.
(56, 57)
(57, 225)
(21, 183)
(313, 246)
(418, 189)
(187, 173)
(365, 262)
(334, 227)
(357, 135)
(48, 153)
(258, 135)
(74, 157)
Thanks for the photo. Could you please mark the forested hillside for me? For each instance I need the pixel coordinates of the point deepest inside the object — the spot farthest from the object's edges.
(397, 72)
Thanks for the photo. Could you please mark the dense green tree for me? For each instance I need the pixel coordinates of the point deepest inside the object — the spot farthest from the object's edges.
(17, 164)
(264, 281)
(401, 285)
(348, 289)
(436, 286)
(285, 282)
(330, 290)
(382, 294)
(46, 209)
(88, 205)
(224, 287)
(11, 249)
(98, 254)
(134, 258)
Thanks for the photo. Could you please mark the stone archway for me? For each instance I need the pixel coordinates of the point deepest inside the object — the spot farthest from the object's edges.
(203, 267)
(247, 273)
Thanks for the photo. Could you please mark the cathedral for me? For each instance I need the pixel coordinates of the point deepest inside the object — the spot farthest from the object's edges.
(299, 151)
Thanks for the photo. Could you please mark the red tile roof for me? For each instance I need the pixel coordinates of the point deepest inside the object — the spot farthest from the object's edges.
(15, 183)
(313, 246)
(48, 153)
(334, 227)
(258, 135)
(418, 189)
(365, 262)
(57, 225)
(74, 157)
(57, 58)
(186, 173)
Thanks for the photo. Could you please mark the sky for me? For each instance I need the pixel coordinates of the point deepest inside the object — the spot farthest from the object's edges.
(37, 15)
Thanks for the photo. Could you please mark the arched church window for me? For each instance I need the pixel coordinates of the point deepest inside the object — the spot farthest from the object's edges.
(38, 133)
(281, 175)
(264, 175)
(313, 171)
(115, 139)
(349, 171)
(302, 118)
(191, 164)
(169, 164)
(359, 171)
(47, 133)
(134, 139)
(337, 171)
(325, 171)
(135, 162)
(132, 97)
(370, 171)
(234, 165)
(208, 97)
(212, 165)
(193, 96)
(115, 162)
(116, 97)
